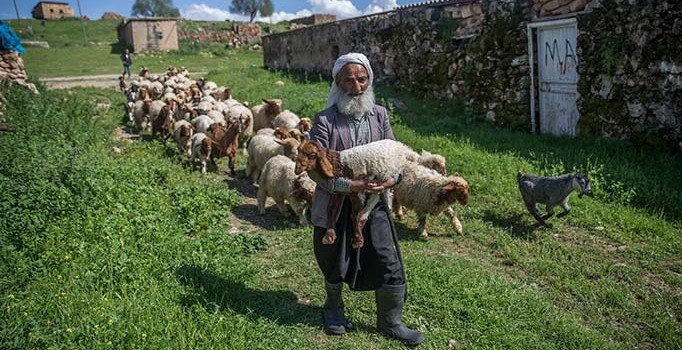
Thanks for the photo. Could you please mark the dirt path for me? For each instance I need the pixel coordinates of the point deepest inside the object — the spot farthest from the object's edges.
(102, 81)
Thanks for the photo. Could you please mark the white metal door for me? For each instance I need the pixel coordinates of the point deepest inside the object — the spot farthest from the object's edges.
(558, 79)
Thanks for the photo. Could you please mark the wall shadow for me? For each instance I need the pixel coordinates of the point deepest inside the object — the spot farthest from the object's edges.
(210, 290)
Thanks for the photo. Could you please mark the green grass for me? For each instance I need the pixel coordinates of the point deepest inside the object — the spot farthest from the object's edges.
(100, 250)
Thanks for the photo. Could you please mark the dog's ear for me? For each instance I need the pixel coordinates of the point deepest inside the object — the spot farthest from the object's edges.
(324, 164)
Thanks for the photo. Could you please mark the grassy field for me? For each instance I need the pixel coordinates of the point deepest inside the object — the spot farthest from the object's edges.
(69, 56)
(134, 250)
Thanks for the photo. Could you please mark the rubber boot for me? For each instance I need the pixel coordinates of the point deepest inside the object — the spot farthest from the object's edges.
(390, 300)
(335, 322)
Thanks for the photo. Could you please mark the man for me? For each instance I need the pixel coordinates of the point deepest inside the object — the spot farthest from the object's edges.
(127, 62)
(351, 119)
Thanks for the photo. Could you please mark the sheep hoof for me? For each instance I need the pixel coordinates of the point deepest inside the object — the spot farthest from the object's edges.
(458, 226)
(329, 237)
(424, 234)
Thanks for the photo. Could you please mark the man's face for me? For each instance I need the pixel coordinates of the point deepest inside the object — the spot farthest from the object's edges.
(353, 79)
(126, 51)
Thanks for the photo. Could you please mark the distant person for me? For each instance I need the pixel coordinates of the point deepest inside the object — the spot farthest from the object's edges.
(351, 119)
(127, 62)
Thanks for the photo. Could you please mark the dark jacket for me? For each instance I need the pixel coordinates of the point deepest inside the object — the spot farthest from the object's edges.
(332, 130)
(127, 61)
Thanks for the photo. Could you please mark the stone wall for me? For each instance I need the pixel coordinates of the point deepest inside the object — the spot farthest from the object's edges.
(631, 71)
(630, 58)
(239, 35)
(12, 69)
(314, 19)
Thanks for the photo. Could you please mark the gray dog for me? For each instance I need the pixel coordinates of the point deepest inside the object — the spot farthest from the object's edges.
(551, 191)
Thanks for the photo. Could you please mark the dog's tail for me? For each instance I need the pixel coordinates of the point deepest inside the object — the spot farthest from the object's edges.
(519, 176)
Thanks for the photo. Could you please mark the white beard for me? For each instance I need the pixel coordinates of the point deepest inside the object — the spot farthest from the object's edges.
(355, 106)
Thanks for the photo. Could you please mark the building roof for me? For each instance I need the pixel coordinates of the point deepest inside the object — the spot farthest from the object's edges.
(52, 2)
(151, 19)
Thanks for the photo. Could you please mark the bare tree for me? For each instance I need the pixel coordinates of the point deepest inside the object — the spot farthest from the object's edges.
(155, 8)
(252, 7)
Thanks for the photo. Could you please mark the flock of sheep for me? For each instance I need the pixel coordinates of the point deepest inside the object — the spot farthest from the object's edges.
(207, 124)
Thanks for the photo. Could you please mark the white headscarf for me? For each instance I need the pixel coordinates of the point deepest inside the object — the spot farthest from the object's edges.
(343, 60)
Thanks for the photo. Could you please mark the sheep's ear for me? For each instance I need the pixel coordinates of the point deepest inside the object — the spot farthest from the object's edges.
(281, 142)
(456, 174)
(267, 101)
(325, 165)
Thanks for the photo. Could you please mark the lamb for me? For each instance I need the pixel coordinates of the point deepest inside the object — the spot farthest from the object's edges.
(163, 122)
(182, 133)
(141, 114)
(122, 83)
(226, 142)
(377, 161)
(426, 191)
(264, 114)
(245, 116)
(263, 147)
(287, 119)
(305, 125)
(202, 123)
(551, 191)
(201, 149)
(433, 161)
(279, 181)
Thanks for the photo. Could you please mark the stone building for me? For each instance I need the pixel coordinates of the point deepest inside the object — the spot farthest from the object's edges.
(149, 34)
(314, 19)
(52, 10)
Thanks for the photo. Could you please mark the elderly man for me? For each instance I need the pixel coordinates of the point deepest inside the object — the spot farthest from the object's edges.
(350, 119)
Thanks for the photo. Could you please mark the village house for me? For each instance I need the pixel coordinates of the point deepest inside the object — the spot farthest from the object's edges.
(52, 10)
(149, 34)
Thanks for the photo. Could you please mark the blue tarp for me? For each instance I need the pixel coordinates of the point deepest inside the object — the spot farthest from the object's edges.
(9, 40)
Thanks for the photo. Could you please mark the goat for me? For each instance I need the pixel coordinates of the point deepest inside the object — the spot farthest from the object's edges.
(551, 191)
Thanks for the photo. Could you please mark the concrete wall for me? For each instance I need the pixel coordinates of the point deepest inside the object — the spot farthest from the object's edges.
(149, 35)
(52, 11)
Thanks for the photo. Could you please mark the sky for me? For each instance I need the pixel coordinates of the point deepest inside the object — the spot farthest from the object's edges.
(218, 10)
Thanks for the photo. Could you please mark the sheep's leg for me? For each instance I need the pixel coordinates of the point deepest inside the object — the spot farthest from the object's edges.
(282, 208)
(357, 212)
(299, 209)
(455, 221)
(335, 203)
(398, 209)
(422, 226)
(231, 161)
(262, 196)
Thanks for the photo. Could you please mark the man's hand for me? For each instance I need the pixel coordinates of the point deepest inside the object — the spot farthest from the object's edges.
(370, 187)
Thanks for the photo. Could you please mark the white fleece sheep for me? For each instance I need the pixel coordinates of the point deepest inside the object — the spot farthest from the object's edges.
(182, 133)
(245, 117)
(202, 123)
(279, 181)
(201, 150)
(377, 161)
(264, 114)
(427, 192)
(288, 119)
(263, 147)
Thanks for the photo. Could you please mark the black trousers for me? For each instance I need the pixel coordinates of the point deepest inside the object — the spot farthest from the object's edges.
(377, 263)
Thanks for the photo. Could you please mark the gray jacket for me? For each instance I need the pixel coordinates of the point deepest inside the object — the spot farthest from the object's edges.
(332, 130)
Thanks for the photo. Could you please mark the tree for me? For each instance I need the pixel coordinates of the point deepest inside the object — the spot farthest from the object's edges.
(252, 7)
(155, 8)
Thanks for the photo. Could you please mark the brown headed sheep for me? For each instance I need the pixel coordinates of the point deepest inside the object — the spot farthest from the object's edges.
(265, 113)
